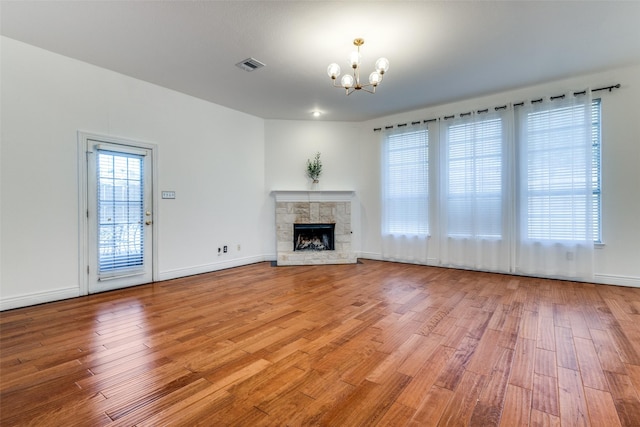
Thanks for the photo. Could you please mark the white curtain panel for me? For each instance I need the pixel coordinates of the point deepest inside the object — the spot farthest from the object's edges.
(555, 225)
(510, 190)
(405, 194)
(475, 191)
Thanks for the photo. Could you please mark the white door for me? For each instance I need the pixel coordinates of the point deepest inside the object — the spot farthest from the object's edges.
(119, 215)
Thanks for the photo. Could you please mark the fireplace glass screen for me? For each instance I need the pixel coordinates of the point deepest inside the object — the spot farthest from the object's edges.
(313, 237)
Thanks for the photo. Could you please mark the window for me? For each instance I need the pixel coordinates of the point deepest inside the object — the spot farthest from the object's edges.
(474, 190)
(557, 171)
(120, 206)
(406, 183)
(596, 173)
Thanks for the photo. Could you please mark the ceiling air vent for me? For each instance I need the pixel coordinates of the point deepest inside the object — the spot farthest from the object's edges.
(250, 64)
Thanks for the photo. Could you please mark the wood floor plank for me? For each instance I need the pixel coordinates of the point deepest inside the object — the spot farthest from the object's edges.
(565, 349)
(392, 363)
(373, 343)
(545, 363)
(509, 335)
(602, 411)
(424, 379)
(65, 411)
(517, 407)
(546, 337)
(368, 403)
(625, 398)
(545, 394)
(398, 415)
(607, 354)
(573, 407)
(625, 346)
(485, 355)
(590, 368)
(422, 351)
(452, 373)
(524, 362)
(464, 399)
(634, 375)
(430, 412)
(488, 409)
(542, 419)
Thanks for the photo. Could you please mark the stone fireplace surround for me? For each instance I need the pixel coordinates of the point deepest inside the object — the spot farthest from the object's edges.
(309, 207)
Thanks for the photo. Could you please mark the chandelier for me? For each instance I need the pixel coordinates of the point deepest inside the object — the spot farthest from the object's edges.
(351, 83)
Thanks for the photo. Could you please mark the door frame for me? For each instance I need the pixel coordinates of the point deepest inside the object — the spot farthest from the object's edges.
(84, 139)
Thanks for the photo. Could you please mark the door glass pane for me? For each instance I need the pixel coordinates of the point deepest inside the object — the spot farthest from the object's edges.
(120, 211)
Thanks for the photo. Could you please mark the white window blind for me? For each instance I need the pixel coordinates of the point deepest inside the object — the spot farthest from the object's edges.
(558, 171)
(474, 179)
(120, 207)
(596, 171)
(406, 182)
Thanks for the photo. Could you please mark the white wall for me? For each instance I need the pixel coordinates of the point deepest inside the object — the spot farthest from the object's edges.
(618, 261)
(213, 157)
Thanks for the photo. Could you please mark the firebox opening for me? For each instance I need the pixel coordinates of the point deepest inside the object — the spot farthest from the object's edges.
(313, 237)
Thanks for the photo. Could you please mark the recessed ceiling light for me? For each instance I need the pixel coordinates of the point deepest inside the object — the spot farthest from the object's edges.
(316, 114)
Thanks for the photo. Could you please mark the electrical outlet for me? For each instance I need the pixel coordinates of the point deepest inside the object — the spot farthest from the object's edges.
(238, 247)
(224, 249)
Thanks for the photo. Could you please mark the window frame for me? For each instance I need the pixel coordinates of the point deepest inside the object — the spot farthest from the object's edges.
(596, 168)
(413, 197)
(465, 143)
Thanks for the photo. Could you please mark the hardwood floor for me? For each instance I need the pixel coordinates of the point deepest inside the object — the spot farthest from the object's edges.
(375, 343)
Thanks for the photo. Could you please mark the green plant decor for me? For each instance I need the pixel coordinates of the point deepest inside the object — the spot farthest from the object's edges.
(314, 168)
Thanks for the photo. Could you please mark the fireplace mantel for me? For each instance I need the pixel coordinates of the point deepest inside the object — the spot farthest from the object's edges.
(313, 196)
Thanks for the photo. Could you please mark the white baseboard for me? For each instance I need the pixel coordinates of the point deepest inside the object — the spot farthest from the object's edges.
(610, 279)
(370, 255)
(207, 268)
(38, 298)
(378, 257)
(605, 279)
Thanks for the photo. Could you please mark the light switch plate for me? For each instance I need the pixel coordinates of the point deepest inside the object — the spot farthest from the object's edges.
(168, 194)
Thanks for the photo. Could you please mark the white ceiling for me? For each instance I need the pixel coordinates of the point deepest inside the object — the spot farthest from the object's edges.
(440, 51)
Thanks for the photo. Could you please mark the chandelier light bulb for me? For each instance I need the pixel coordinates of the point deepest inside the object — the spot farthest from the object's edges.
(354, 59)
(347, 81)
(351, 81)
(382, 65)
(333, 70)
(375, 78)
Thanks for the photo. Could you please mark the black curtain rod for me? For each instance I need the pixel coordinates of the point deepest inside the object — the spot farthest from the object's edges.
(609, 88)
(502, 107)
